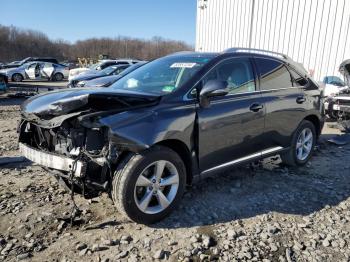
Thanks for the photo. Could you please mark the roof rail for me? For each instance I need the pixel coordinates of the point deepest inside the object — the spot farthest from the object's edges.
(258, 51)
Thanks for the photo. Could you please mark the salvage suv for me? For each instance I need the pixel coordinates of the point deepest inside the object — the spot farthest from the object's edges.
(170, 122)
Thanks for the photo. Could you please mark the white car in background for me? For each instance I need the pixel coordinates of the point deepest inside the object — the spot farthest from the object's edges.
(37, 71)
(100, 66)
(337, 93)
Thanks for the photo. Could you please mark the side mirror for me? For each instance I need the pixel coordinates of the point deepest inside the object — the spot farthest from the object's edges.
(212, 88)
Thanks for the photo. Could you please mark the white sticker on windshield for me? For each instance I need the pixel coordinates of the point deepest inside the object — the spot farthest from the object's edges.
(183, 65)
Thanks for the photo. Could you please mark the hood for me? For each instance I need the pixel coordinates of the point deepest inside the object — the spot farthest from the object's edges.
(77, 71)
(344, 69)
(8, 70)
(104, 81)
(70, 101)
(86, 76)
(11, 66)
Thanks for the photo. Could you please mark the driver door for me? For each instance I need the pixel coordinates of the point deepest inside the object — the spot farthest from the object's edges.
(231, 128)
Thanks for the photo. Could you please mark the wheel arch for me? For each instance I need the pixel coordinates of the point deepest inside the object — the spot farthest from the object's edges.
(316, 122)
(182, 150)
(57, 73)
(17, 73)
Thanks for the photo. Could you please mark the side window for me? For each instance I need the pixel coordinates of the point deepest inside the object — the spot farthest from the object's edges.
(32, 65)
(297, 79)
(273, 74)
(237, 72)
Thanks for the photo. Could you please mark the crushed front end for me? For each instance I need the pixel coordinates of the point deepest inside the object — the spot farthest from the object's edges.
(72, 153)
(61, 132)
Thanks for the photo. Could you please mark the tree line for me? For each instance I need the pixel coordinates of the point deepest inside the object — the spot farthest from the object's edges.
(16, 44)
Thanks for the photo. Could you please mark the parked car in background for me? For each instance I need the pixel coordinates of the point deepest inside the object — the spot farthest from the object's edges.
(30, 59)
(171, 122)
(106, 81)
(3, 83)
(78, 80)
(332, 85)
(337, 94)
(37, 71)
(100, 66)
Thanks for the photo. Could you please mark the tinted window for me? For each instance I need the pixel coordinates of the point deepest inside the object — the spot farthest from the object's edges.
(238, 74)
(297, 79)
(273, 74)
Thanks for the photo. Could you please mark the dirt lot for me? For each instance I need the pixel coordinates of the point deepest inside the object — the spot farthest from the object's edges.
(261, 213)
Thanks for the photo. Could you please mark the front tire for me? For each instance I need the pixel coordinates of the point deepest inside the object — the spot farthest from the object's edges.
(303, 142)
(17, 78)
(146, 187)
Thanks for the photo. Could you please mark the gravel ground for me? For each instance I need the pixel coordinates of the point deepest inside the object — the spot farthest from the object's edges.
(263, 212)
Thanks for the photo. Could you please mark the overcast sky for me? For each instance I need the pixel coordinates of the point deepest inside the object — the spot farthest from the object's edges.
(80, 19)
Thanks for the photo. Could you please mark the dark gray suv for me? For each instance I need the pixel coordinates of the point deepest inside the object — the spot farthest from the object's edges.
(170, 122)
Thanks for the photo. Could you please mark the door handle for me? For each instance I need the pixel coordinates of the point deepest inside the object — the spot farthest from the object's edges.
(301, 99)
(256, 107)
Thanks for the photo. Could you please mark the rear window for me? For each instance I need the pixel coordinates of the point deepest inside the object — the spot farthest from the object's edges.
(273, 74)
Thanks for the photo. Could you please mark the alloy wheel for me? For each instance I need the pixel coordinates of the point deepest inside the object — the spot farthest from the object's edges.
(304, 144)
(156, 187)
(17, 78)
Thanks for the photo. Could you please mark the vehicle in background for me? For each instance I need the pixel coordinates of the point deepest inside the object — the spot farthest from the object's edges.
(109, 80)
(37, 71)
(30, 59)
(3, 83)
(78, 81)
(100, 66)
(70, 65)
(337, 94)
(171, 122)
(332, 85)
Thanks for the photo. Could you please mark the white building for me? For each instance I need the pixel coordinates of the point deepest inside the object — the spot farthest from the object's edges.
(312, 32)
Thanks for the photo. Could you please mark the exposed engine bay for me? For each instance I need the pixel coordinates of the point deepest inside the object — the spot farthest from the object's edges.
(68, 133)
(90, 146)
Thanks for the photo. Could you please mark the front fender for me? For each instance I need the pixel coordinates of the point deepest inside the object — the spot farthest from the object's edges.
(138, 130)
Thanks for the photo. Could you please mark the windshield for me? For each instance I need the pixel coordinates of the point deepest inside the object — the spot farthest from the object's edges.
(109, 70)
(163, 75)
(131, 68)
(334, 80)
(94, 66)
(25, 60)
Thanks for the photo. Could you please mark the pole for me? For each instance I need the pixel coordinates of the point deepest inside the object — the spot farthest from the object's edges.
(251, 25)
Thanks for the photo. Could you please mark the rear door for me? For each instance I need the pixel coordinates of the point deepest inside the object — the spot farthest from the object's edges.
(30, 70)
(47, 70)
(231, 128)
(283, 102)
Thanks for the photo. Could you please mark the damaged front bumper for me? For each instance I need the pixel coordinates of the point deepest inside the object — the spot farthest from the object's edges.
(53, 161)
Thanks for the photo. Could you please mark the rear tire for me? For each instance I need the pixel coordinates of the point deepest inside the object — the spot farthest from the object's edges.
(58, 77)
(303, 142)
(17, 77)
(146, 187)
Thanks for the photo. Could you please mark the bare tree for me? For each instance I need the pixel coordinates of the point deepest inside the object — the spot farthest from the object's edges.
(16, 44)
